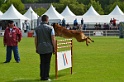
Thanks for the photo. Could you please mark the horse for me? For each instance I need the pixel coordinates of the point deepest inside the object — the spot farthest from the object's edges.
(78, 35)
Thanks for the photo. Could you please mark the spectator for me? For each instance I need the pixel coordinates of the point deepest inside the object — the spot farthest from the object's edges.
(63, 22)
(96, 26)
(26, 26)
(99, 26)
(84, 27)
(75, 22)
(12, 36)
(114, 23)
(0, 26)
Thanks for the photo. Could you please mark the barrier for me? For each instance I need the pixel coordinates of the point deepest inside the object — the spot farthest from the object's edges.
(63, 55)
(1, 33)
(30, 34)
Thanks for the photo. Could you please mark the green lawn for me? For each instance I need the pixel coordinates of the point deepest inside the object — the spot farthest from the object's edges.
(101, 61)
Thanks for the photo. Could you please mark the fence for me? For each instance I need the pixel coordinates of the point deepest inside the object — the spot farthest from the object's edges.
(63, 56)
(101, 32)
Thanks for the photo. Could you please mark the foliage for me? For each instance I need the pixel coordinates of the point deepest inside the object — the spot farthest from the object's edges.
(110, 7)
(29, 1)
(78, 7)
(47, 1)
(74, 6)
(59, 7)
(40, 11)
(96, 5)
(67, 2)
(1, 2)
(17, 4)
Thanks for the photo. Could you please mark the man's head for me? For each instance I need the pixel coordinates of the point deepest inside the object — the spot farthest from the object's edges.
(45, 18)
(11, 23)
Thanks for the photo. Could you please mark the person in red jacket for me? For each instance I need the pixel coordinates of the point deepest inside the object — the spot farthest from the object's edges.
(12, 36)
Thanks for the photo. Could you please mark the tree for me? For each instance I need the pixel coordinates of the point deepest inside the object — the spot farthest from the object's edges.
(59, 7)
(40, 11)
(77, 9)
(17, 4)
(29, 1)
(67, 2)
(74, 6)
(110, 7)
(1, 2)
(97, 6)
(84, 1)
(47, 1)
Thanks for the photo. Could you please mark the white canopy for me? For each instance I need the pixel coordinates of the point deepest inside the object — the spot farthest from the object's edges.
(53, 14)
(67, 12)
(116, 11)
(1, 13)
(31, 14)
(11, 14)
(91, 12)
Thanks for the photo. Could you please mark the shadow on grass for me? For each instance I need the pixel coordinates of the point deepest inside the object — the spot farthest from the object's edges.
(25, 80)
(2, 63)
(52, 77)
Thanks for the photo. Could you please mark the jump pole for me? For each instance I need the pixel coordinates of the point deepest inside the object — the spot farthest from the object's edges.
(66, 43)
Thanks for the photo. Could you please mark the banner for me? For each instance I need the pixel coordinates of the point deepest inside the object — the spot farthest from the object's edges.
(64, 60)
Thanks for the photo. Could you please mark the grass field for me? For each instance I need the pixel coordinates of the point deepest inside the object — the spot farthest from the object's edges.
(101, 61)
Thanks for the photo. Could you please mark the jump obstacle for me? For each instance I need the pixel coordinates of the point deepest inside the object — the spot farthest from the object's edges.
(63, 55)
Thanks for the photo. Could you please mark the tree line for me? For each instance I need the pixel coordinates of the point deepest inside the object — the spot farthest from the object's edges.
(78, 7)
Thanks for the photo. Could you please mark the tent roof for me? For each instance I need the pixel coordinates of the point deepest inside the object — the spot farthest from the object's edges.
(116, 11)
(91, 12)
(53, 14)
(67, 12)
(31, 14)
(11, 14)
(1, 13)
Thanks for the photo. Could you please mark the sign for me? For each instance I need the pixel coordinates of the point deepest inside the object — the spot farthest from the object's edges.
(64, 60)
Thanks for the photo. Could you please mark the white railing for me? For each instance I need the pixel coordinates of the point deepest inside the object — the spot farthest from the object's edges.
(101, 32)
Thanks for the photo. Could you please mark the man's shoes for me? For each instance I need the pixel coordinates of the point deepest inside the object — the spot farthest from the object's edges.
(49, 80)
(6, 62)
(17, 61)
(46, 79)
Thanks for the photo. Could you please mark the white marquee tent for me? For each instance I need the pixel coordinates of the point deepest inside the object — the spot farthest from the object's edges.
(13, 14)
(54, 16)
(92, 17)
(67, 12)
(116, 11)
(1, 13)
(32, 16)
(91, 12)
